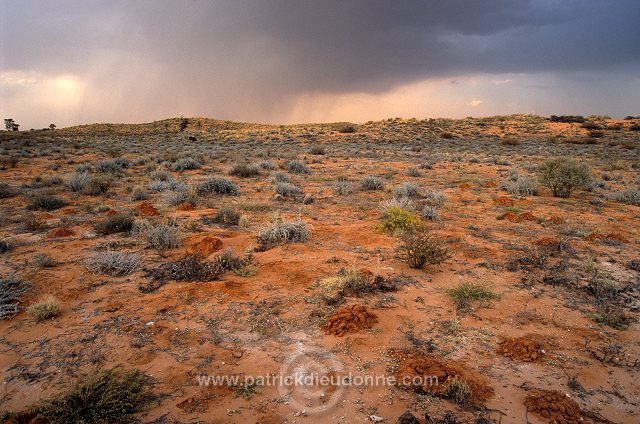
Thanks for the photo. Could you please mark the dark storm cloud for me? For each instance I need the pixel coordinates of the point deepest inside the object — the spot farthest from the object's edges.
(249, 54)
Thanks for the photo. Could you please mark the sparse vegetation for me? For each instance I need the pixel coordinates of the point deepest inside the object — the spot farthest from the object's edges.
(298, 167)
(11, 290)
(118, 223)
(283, 231)
(398, 219)
(372, 183)
(46, 203)
(467, 293)
(218, 186)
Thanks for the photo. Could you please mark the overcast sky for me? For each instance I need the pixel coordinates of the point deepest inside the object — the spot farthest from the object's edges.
(282, 61)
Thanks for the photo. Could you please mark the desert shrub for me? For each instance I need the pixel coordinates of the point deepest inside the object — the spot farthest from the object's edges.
(435, 198)
(288, 189)
(347, 129)
(33, 223)
(112, 166)
(11, 289)
(47, 307)
(317, 150)
(447, 135)
(280, 177)
(282, 231)
(189, 195)
(160, 176)
(226, 216)
(521, 186)
(184, 164)
(46, 203)
(196, 268)
(510, 141)
(567, 118)
(158, 186)
(589, 125)
(78, 181)
(430, 212)
(371, 183)
(563, 176)
(113, 264)
(111, 396)
(267, 165)
(398, 219)
(42, 260)
(630, 197)
(139, 193)
(397, 202)
(407, 189)
(218, 186)
(83, 168)
(160, 237)
(593, 134)
(229, 261)
(343, 187)
(466, 293)
(119, 223)
(245, 170)
(414, 172)
(419, 249)
(297, 167)
(97, 185)
(4, 246)
(7, 190)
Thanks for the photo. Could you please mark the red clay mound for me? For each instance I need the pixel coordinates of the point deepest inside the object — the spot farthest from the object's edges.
(511, 217)
(348, 320)
(147, 209)
(60, 232)
(186, 206)
(205, 247)
(419, 374)
(528, 216)
(554, 407)
(504, 201)
(524, 348)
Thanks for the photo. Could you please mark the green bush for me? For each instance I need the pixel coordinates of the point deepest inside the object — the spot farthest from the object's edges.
(120, 223)
(419, 249)
(564, 175)
(398, 219)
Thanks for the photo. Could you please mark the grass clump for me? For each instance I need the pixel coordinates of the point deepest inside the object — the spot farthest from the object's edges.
(288, 189)
(407, 189)
(629, 197)
(419, 249)
(42, 260)
(46, 203)
(119, 223)
(521, 186)
(218, 186)
(283, 231)
(7, 191)
(46, 308)
(467, 293)
(185, 164)
(456, 390)
(196, 268)
(111, 396)
(563, 175)
(343, 187)
(227, 216)
(113, 264)
(245, 170)
(11, 289)
(160, 236)
(397, 219)
(372, 183)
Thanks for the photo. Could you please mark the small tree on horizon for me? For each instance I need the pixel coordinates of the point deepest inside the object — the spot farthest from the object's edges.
(52, 126)
(11, 125)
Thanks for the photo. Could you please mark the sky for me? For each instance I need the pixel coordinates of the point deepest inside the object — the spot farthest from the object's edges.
(72, 62)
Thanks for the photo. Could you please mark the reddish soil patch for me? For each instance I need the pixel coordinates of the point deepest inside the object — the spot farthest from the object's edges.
(511, 217)
(112, 212)
(186, 206)
(525, 348)
(192, 405)
(554, 407)
(60, 232)
(205, 247)
(349, 319)
(490, 184)
(418, 374)
(504, 201)
(147, 209)
(606, 237)
(555, 220)
(464, 185)
(528, 216)
(547, 241)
